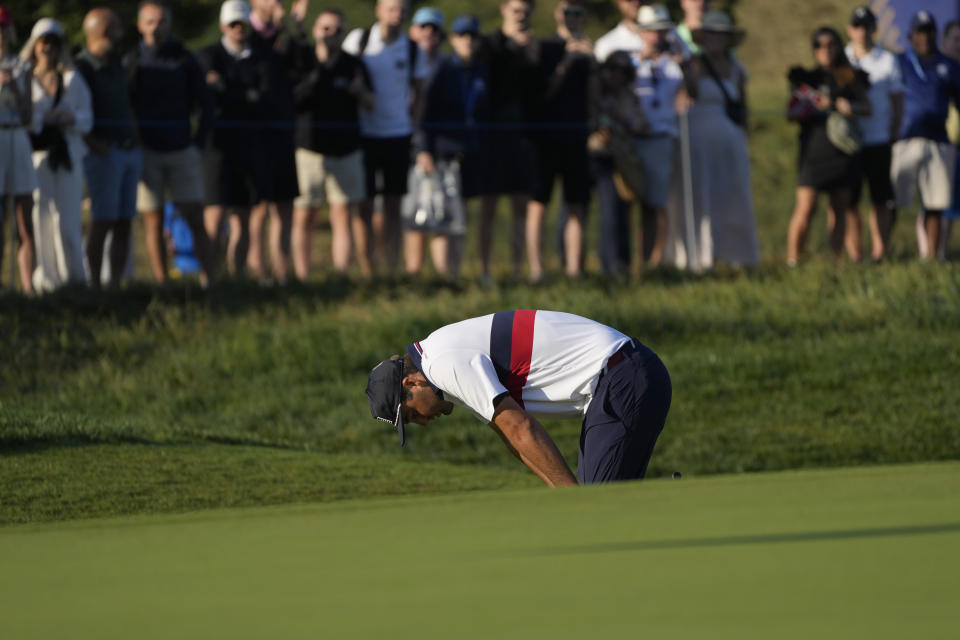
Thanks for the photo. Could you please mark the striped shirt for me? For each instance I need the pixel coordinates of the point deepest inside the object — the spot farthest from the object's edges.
(548, 361)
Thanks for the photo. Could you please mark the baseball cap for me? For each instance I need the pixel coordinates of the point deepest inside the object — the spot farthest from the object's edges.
(467, 23)
(923, 21)
(385, 394)
(863, 17)
(5, 17)
(428, 15)
(234, 11)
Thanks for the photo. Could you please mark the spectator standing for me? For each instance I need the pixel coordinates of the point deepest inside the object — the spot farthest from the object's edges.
(62, 115)
(427, 30)
(397, 71)
(832, 90)
(560, 135)
(275, 38)
(922, 155)
(511, 52)
(114, 163)
(167, 90)
(18, 179)
(951, 48)
(660, 87)
(879, 130)
(693, 12)
(455, 108)
(613, 209)
(724, 229)
(333, 88)
(235, 74)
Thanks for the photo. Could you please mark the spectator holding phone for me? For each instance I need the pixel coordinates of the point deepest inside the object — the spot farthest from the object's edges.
(824, 101)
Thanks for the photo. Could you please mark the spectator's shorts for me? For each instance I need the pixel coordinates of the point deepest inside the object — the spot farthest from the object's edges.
(875, 169)
(568, 160)
(656, 161)
(924, 164)
(112, 183)
(510, 163)
(625, 417)
(212, 164)
(170, 175)
(275, 166)
(17, 175)
(333, 179)
(386, 163)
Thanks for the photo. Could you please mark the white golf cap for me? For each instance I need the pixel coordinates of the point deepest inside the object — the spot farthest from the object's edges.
(234, 11)
(654, 17)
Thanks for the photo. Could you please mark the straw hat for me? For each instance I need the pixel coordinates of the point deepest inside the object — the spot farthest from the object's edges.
(654, 17)
(716, 21)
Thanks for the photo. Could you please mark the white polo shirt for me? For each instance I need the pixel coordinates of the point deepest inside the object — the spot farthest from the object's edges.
(885, 80)
(546, 360)
(390, 77)
(620, 38)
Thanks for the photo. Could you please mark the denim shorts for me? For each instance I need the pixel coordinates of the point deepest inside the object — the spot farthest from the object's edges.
(112, 183)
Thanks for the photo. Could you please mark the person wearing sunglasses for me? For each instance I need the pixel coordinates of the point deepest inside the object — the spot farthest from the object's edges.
(828, 153)
(334, 86)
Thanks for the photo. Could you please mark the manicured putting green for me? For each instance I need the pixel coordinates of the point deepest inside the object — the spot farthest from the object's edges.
(851, 553)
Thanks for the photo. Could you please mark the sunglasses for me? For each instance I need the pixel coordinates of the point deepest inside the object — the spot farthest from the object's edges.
(574, 12)
(823, 45)
(234, 25)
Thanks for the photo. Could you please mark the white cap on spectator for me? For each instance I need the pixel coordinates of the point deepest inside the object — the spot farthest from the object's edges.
(654, 17)
(234, 11)
(44, 27)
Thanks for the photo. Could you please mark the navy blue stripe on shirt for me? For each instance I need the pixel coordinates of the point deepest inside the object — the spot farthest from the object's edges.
(501, 344)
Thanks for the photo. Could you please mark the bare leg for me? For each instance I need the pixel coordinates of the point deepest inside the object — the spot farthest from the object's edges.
(439, 254)
(301, 235)
(281, 214)
(363, 236)
(255, 251)
(839, 201)
(931, 225)
(95, 240)
(203, 247)
(238, 243)
(413, 248)
(488, 212)
(517, 243)
(806, 200)
(156, 247)
(573, 240)
(923, 247)
(877, 239)
(852, 234)
(23, 206)
(119, 250)
(212, 219)
(340, 235)
(534, 227)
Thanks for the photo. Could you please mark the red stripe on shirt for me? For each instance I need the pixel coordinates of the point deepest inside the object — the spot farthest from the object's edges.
(521, 351)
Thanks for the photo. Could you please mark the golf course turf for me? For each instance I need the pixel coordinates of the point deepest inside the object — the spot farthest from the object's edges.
(870, 552)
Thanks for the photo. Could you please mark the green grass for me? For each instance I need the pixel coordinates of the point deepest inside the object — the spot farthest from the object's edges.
(866, 553)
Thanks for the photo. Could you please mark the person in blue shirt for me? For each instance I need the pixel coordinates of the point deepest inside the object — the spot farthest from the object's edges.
(923, 158)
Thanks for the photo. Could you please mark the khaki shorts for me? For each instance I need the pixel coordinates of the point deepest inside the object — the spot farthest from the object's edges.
(333, 179)
(173, 175)
(924, 164)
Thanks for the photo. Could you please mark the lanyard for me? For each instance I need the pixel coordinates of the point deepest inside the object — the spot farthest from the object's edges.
(918, 69)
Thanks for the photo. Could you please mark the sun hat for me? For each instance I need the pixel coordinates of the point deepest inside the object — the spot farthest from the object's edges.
(385, 394)
(654, 17)
(234, 11)
(44, 27)
(467, 23)
(716, 21)
(428, 15)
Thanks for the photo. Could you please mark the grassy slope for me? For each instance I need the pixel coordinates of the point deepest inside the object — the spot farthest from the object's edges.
(864, 553)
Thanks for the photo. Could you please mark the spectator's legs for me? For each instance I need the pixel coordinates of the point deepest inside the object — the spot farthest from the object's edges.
(806, 200)
(946, 226)
(881, 223)
(23, 209)
(363, 236)
(119, 250)
(212, 219)
(573, 240)
(534, 227)
(156, 246)
(204, 249)
(614, 220)
(238, 243)
(301, 235)
(853, 230)
(391, 230)
(413, 249)
(340, 214)
(281, 215)
(488, 212)
(839, 201)
(95, 240)
(441, 247)
(255, 250)
(931, 229)
(653, 233)
(519, 202)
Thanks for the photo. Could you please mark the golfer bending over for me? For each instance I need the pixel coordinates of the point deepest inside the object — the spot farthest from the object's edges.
(511, 366)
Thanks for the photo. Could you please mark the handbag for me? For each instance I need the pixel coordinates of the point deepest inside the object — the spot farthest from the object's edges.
(844, 133)
(736, 109)
(433, 201)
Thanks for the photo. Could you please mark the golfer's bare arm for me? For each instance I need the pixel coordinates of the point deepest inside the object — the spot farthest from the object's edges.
(528, 440)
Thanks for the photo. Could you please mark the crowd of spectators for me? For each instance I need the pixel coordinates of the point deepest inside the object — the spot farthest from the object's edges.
(397, 135)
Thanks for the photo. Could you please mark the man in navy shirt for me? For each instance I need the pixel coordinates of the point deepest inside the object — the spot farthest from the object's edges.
(922, 156)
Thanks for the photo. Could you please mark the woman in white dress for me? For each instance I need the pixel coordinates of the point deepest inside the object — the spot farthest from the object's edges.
(724, 229)
(62, 115)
